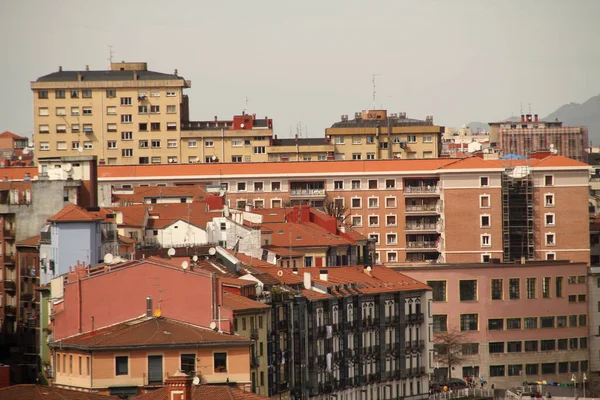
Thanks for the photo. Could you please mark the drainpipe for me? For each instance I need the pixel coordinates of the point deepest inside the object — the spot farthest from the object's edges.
(223, 145)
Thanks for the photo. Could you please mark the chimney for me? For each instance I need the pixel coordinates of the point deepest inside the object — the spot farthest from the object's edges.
(216, 119)
(135, 75)
(60, 68)
(179, 386)
(79, 76)
(148, 307)
(87, 67)
(307, 280)
(295, 270)
(535, 118)
(522, 117)
(176, 73)
(323, 275)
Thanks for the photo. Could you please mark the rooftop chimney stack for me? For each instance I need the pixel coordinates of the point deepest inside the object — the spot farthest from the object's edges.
(535, 118)
(307, 281)
(148, 307)
(179, 386)
(522, 117)
(323, 275)
(60, 68)
(87, 67)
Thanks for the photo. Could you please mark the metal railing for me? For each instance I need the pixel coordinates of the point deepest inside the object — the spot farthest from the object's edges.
(421, 189)
(307, 192)
(420, 227)
(421, 245)
(461, 393)
(421, 207)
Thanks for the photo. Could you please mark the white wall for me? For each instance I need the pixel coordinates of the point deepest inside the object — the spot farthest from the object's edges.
(179, 233)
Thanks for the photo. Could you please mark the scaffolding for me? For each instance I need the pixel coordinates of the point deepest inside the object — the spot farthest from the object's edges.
(517, 214)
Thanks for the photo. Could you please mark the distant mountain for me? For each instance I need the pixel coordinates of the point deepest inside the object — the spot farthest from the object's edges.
(586, 114)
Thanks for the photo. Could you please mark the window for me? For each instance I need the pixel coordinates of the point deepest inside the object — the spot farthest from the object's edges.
(427, 139)
(188, 363)
(486, 240)
(87, 110)
(470, 348)
(121, 365)
(497, 289)
(74, 145)
(142, 109)
(59, 94)
(258, 186)
(111, 93)
(338, 185)
(356, 220)
(373, 220)
(74, 111)
(171, 93)
(61, 145)
(583, 343)
(125, 101)
(143, 127)
(61, 128)
(370, 156)
(530, 288)
(513, 323)
(485, 258)
(88, 145)
(155, 109)
(373, 202)
(559, 282)
(236, 159)
(572, 321)
(86, 93)
(155, 126)
(550, 239)
(61, 111)
(484, 201)
(531, 369)
(112, 144)
(439, 290)
(220, 361)
(531, 345)
(581, 279)
(549, 200)
(155, 143)
(237, 143)
(339, 140)
(356, 156)
(356, 184)
(111, 127)
(582, 320)
(373, 183)
(44, 129)
(547, 322)
(143, 144)
(514, 347)
(383, 145)
(275, 186)
(581, 298)
(411, 139)
(391, 239)
(485, 221)
(43, 112)
(126, 135)
(392, 256)
(127, 152)
(356, 202)
(192, 144)
(548, 345)
(549, 219)
(469, 322)
(484, 181)
(530, 322)
(572, 298)
(74, 94)
(496, 324)
(390, 202)
(390, 183)
(573, 343)
(171, 109)
(125, 118)
(563, 344)
(42, 94)
(496, 347)
(548, 180)
(440, 323)
(514, 288)
(390, 220)
(496, 370)
(308, 261)
(171, 126)
(468, 290)
(241, 186)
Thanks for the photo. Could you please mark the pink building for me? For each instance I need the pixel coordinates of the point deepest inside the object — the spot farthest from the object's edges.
(519, 321)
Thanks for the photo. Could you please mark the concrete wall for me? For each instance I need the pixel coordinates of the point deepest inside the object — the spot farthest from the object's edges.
(594, 317)
(179, 233)
(74, 242)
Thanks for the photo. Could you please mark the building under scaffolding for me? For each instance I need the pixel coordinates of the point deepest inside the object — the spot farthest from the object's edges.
(517, 214)
(529, 135)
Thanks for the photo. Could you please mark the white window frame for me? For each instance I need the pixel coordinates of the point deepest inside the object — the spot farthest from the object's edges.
(548, 253)
(127, 135)
(546, 204)
(209, 143)
(276, 199)
(44, 146)
(113, 142)
(339, 140)
(64, 145)
(88, 145)
(335, 185)
(126, 153)
(74, 145)
(481, 197)
(395, 253)
(173, 108)
(44, 128)
(553, 219)
(483, 255)
(352, 202)
(546, 235)
(237, 143)
(126, 118)
(259, 190)
(481, 221)
(387, 239)
(87, 111)
(369, 221)
(189, 143)
(61, 111)
(237, 186)
(356, 139)
(171, 93)
(43, 112)
(549, 175)
(369, 202)
(359, 217)
(111, 110)
(171, 143)
(489, 240)
(374, 234)
(428, 139)
(391, 215)
(395, 202)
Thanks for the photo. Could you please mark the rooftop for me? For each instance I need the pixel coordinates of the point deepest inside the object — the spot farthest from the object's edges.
(7, 134)
(203, 392)
(38, 392)
(104, 75)
(29, 242)
(306, 234)
(74, 213)
(236, 302)
(138, 194)
(148, 333)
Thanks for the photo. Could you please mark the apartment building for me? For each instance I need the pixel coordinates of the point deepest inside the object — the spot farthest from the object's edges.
(518, 322)
(376, 135)
(530, 134)
(126, 115)
(450, 210)
(301, 149)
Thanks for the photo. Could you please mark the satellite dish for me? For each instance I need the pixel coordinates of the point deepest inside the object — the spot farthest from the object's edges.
(213, 326)
(280, 273)
(20, 158)
(67, 167)
(80, 149)
(171, 252)
(26, 150)
(214, 158)
(108, 258)
(185, 265)
(212, 251)
(195, 258)
(43, 256)
(196, 381)
(242, 126)
(157, 313)
(369, 269)
(170, 159)
(259, 290)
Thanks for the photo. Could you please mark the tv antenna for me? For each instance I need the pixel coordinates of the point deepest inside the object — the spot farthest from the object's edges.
(110, 55)
(373, 84)
(247, 101)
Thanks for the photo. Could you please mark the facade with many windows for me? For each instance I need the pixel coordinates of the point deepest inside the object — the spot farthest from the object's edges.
(518, 321)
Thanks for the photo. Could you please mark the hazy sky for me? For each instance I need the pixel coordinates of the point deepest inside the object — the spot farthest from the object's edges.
(311, 61)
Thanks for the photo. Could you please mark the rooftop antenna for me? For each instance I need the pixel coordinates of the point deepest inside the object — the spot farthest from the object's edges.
(529, 108)
(247, 101)
(373, 84)
(110, 55)
(521, 107)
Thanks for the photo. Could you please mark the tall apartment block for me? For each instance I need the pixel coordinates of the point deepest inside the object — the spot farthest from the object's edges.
(530, 134)
(440, 210)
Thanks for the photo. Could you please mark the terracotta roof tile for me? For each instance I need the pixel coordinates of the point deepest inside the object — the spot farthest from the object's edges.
(73, 213)
(7, 134)
(236, 302)
(133, 215)
(251, 261)
(312, 295)
(148, 332)
(30, 242)
(38, 392)
(283, 251)
(139, 194)
(18, 173)
(236, 282)
(306, 234)
(203, 392)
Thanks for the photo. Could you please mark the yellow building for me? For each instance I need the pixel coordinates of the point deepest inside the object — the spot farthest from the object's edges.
(127, 115)
(375, 135)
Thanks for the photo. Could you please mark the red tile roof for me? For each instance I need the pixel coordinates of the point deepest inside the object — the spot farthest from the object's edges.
(251, 261)
(312, 295)
(143, 332)
(18, 173)
(235, 302)
(204, 392)
(306, 234)
(146, 192)
(38, 392)
(7, 134)
(236, 282)
(73, 213)
(30, 242)
(163, 215)
(283, 251)
(133, 215)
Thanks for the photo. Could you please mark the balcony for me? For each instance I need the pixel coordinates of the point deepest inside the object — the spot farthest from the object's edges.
(10, 311)
(422, 245)
(27, 296)
(9, 234)
(307, 193)
(10, 285)
(254, 334)
(421, 191)
(9, 259)
(392, 320)
(254, 362)
(421, 209)
(415, 318)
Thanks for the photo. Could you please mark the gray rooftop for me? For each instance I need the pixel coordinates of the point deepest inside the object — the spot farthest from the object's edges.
(361, 123)
(300, 142)
(72, 76)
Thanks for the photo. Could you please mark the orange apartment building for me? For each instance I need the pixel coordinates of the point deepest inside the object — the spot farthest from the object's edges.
(438, 210)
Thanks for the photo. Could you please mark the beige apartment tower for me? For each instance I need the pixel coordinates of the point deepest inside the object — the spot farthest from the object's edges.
(126, 115)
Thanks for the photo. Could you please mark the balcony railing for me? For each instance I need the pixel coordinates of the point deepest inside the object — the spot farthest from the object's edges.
(10, 310)
(415, 318)
(420, 227)
(9, 259)
(10, 285)
(254, 334)
(421, 189)
(421, 207)
(307, 192)
(9, 233)
(26, 296)
(421, 245)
